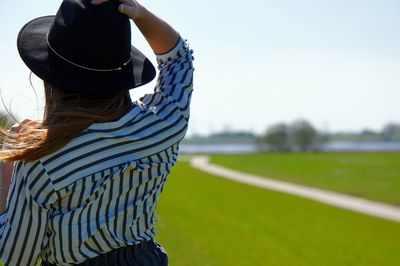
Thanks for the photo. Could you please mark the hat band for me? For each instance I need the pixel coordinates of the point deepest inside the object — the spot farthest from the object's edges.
(83, 67)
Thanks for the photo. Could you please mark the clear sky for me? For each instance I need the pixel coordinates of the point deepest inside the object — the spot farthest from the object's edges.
(258, 62)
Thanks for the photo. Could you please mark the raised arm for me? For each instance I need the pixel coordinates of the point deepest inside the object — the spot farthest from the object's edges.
(159, 34)
(164, 114)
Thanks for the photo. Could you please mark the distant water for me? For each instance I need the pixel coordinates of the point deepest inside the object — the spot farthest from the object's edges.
(333, 146)
(362, 146)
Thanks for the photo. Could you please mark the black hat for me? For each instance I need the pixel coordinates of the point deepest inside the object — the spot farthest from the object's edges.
(85, 49)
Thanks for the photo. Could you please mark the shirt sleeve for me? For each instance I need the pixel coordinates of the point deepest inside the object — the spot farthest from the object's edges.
(170, 101)
(23, 224)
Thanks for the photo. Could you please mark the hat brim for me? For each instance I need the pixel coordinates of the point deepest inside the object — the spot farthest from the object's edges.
(44, 63)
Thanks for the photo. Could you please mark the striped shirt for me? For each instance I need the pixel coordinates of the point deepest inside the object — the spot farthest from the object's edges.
(99, 192)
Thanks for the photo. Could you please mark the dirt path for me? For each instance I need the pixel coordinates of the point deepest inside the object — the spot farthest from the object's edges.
(373, 208)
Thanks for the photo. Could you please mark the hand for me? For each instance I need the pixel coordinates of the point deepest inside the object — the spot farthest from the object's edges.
(19, 128)
(5, 181)
(131, 8)
(159, 34)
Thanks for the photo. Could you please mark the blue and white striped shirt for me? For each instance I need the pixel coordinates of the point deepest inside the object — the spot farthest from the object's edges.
(100, 191)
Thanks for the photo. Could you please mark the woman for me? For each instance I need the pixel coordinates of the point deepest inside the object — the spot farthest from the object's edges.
(87, 178)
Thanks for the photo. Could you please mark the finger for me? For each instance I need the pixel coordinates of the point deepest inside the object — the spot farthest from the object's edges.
(125, 9)
(26, 121)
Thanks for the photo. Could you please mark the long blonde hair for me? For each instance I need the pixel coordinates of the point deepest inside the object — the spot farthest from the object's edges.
(65, 116)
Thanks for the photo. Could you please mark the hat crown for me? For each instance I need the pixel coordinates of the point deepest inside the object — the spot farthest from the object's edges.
(97, 37)
(84, 49)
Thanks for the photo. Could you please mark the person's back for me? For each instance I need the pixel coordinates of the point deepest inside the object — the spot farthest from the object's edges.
(86, 184)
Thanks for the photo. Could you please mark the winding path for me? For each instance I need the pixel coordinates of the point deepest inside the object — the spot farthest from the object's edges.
(372, 208)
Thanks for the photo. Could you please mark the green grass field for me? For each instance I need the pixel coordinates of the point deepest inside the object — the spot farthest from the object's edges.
(205, 220)
(374, 176)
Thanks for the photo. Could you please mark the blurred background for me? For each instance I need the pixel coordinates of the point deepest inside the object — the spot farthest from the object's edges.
(306, 92)
(258, 63)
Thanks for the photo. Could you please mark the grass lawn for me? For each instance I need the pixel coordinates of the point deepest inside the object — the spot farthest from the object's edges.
(204, 220)
(374, 176)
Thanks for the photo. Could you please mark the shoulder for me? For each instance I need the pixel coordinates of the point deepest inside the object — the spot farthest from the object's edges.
(99, 147)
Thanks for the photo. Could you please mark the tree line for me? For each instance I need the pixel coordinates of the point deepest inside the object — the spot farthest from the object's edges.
(298, 136)
(301, 135)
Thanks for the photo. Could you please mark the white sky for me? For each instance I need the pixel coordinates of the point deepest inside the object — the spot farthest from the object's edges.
(258, 62)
